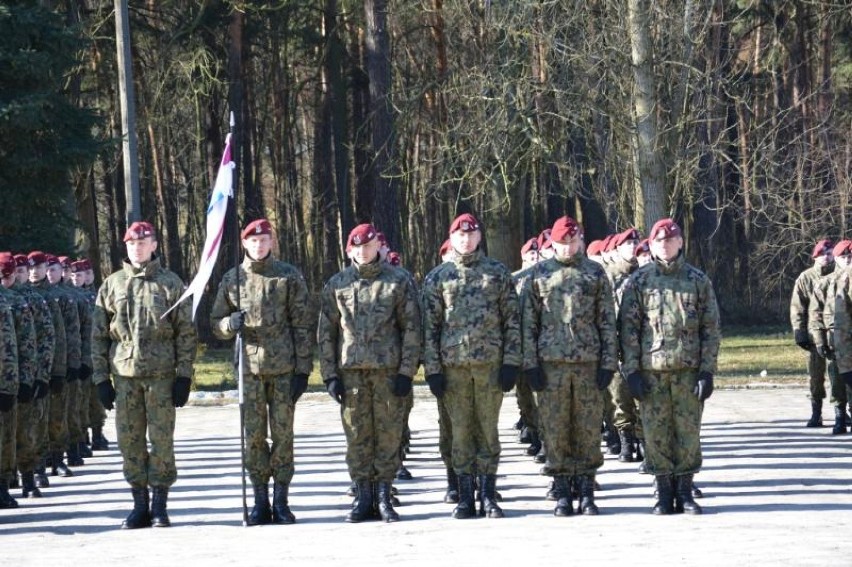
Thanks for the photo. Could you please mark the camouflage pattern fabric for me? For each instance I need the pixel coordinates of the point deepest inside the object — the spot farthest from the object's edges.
(523, 394)
(57, 426)
(8, 440)
(269, 408)
(28, 446)
(71, 317)
(445, 434)
(626, 408)
(843, 321)
(820, 328)
(59, 363)
(803, 292)
(44, 330)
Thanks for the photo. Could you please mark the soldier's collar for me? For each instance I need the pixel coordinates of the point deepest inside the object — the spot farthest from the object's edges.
(670, 267)
(257, 266)
(146, 270)
(370, 270)
(468, 259)
(572, 260)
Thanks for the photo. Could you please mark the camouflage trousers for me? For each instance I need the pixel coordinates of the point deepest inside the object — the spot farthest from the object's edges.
(570, 408)
(372, 421)
(85, 394)
(671, 415)
(527, 405)
(626, 407)
(269, 409)
(75, 427)
(445, 434)
(57, 426)
(28, 450)
(8, 442)
(817, 368)
(608, 407)
(41, 413)
(407, 406)
(97, 413)
(473, 399)
(145, 405)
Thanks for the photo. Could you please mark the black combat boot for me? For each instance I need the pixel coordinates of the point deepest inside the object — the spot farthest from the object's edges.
(352, 490)
(85, 450)
(612, 440)
(839, 420)
(281, 513)
(14, 482)
(140, 516)
(452, 494)
(683, 497)
(816, 414)
(640, 456)
(665, 495)
(362, 507)
(383, 495)
(41, 475)
(564, 502)
(6, 500)
(553, 490)
(261, 512)
(587, 505)
(57, 466)
(541, 456)
(159, 514)
(74, 458)
(488, 492)
(626, 454)
(99, 442)
(525, 435)
(696, 492)
(28, 486)
(466, 507)
(535, 443)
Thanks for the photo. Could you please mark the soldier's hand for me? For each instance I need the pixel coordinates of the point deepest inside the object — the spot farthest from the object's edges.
(298, 386)
(846, 377)
(106, 394)
(704, 386)
(535, 379)
(25, 393)
(401, 385)
(40, 390)
(604, 378)
(508, 375)
(180, 391)
(335, 389)
(825, 352)
(73, 374)
(7, 402)
(437, 384)
(802, 339)
(85, 372)
(57, 382)
(636, 385)
(236, 321)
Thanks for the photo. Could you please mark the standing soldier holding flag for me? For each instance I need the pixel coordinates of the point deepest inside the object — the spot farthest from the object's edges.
(268, 301)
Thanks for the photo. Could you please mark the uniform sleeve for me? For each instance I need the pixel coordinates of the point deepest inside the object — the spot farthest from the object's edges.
(433, 320)
(799, 304)
(8, 352)
(843, 323)
(816, 309)
(59, 365)
(102, 314)
(27, 346)
(328, 333)
(85, 312)
(45, 337)
(709, 330)
(530, 300)
(221, 311)
(302, 321)
(185, 338)
(510, 322)
(606, 324)
(630, 327)
(72, 331)
(408, 322)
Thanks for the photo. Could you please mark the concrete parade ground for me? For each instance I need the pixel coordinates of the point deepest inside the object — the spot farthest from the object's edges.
(776, 493)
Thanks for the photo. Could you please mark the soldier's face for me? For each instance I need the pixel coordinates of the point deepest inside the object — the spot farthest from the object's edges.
(365, 253)
(21, 274)
(54, 273)
(38, 272)
(258, 246)
(529, 258)
(78, 278)
(643, 259)
(569, 248)
(627, 249)
(90, 277)
(141, 250)
(546, 253)
(844, 261)
(666, 249)
(465, 242)
(825, 259)
(9, 281)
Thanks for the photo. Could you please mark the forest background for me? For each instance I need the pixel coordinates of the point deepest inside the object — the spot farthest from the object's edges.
(733, 116)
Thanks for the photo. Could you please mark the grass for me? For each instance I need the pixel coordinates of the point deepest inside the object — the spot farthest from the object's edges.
(745, 354)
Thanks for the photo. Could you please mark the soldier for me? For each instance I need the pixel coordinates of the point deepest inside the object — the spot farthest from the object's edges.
(149, 355)
(369, 346)
(669, 324)
(8, 387)
(88, 394)
(843, 325)
(800, 301)
(529, 430)
(97, 413)
(570, 356)
(472, 351)
(821, 329)
(643, 253)
(268, 300)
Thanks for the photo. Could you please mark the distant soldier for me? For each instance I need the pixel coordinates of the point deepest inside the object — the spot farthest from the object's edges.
(803, 294)
(472, 352)
(369, 346)
(643, 253)
(8, 388)
(268, 300)
(149, 355)
(529, 422)
(97, 414)
(843, 325)
(669, 324)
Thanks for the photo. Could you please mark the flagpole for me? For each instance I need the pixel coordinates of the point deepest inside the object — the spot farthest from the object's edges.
(238, 342)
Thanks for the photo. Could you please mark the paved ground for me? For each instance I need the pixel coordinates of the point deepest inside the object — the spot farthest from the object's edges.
(777, 494)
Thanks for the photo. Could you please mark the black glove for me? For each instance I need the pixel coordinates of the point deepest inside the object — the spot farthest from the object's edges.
(85, 372)
(437, 384)
(7, 402)
(180, 391)
(40, 390)
(73, 374)
(335, 389)
(704, 387)
(57, 383)
(825, 352)
(802, 339)
(401, 386)
(846, 377)
(535, 378)
(298, 386)
(25, 393)
(106, 394)
(236, 320)
(604, 378)
(636, 385)
(508, 375)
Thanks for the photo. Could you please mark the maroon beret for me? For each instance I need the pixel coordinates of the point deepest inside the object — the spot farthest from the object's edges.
(564, 228)
(822, 247)
(394, 259)
(80, 266)
(544, 240)
(465, 223)
(530, 245)
(7, 264)
(360, 235)
(594, 248)
(663, 229)
(139, 230)
(259, 226)
(36, 257)
(52, 260)
(644, 247)
(64, 261)
(622, 237)
(842, 247)
(20, 260)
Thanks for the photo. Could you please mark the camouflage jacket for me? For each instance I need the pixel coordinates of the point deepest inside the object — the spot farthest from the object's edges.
(279, 322)
(71, 316)
(130, 336)
(45, 332)
(25, 336)
(803, 291)
(59, 364)
(470, 314)
(618, 273)
(8, 349)
(568, 314)
(821, 308)
(669, 319)
(843, 321)
(84, 311)
(369, 320)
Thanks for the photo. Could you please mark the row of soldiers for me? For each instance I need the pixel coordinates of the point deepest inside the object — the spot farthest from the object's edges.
(46, 401)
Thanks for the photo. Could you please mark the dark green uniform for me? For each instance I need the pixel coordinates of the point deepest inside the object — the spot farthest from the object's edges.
(803, 294)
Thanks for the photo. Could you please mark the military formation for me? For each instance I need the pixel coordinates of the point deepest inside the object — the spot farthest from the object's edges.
(614, 342)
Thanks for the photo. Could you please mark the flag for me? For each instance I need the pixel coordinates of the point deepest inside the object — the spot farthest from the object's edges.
(222, 190)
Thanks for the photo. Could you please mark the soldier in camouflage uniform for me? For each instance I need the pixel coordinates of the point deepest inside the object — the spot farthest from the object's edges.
(643, 253)
(267, 300)
(803, 293)
(149, 355)
(84, 278)
(669, 324)
(529, 421)
(8, 387)
(89, 396)
(369, 347)
(821, 329)
(842, 318)
(472, 351)
(570, 356)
